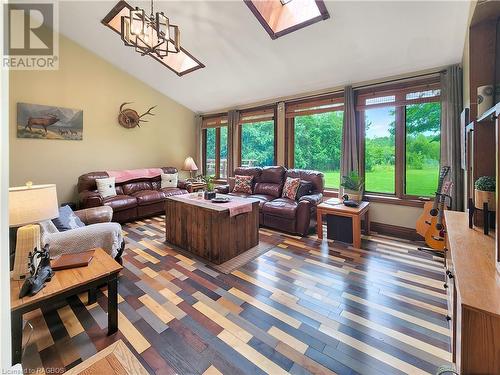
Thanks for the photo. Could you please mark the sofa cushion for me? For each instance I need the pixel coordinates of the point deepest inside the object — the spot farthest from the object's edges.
(120, 202)
(132, 187)
(243, 184)
(291, 187)
(106, 186)
(262, 198)
(148, 196)
(169, 192)
(283, 207)
(267, 188)
(169, 180)
(305, 188)
(315, 177)
(67, 219)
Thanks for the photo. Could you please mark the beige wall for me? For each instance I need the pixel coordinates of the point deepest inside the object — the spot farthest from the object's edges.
(84, 81)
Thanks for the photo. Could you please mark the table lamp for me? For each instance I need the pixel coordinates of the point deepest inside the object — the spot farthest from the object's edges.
(27, 205)
(190, 165)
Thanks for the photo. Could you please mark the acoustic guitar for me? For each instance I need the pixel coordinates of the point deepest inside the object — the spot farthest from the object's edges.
(435, 235)
(431, 207)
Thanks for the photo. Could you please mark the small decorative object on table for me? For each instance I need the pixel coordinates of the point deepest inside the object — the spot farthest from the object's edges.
(40, 272)
(352, 184)
(209, 193)
(221, 199)
(484, 198)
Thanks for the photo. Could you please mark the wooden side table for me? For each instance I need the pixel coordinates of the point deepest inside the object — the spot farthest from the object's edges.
(355, 213)
(102, 269)
(197, 186)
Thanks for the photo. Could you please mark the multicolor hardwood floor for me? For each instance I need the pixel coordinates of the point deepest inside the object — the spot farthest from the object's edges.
(303, 307)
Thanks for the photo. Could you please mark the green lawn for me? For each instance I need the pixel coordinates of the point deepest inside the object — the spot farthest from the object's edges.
(420, 182)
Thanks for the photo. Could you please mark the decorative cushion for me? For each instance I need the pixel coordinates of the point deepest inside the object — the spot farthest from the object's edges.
(169, 180)
(243, 184)
(290, 188)
(305, 188)
(281, 207)
(106, 186)
(67, 219)
(149, 196)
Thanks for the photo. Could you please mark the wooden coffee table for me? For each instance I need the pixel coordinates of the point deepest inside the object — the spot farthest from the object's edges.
(102, 269)
(355, 213)
(208, 230)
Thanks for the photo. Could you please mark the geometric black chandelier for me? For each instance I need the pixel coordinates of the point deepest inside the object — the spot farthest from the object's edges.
(150, 35)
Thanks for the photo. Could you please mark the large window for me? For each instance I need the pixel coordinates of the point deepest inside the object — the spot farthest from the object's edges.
(257, 135)
(214, 133)
(423, 125)
(315, 136)
(380, 150)
(402, 140)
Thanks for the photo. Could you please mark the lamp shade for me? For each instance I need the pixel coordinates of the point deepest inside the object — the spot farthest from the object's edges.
(31, 204)
(189, 165)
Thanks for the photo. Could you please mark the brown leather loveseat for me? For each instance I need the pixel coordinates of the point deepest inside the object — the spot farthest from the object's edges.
(294, 216)
(134, 199)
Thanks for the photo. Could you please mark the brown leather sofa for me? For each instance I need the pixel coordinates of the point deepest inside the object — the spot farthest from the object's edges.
(294, 216)
(134, 199)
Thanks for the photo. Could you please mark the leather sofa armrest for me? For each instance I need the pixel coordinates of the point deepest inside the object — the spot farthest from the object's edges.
(184, 184)
(222, 189)
(314, 199)
(90, 199)
(94, 215)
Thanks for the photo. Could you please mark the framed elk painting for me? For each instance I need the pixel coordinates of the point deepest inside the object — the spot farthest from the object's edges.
(46, 122)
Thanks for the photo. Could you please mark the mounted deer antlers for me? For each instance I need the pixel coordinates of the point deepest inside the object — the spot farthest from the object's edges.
(129, 118)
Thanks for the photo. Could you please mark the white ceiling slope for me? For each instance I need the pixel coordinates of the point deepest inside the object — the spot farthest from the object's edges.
(362, 40)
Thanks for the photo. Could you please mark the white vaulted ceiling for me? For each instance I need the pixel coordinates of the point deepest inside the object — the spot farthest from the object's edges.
(361, 41)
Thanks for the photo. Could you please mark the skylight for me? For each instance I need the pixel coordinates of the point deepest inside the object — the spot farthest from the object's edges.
(180, 63)
(280, 17)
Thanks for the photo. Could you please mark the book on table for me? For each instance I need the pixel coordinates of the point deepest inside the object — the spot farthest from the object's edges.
(75, 260)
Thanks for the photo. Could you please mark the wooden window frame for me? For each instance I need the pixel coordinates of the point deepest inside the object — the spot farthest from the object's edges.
(305, 107)
(399, 91)
(213, 122)
(260, 114)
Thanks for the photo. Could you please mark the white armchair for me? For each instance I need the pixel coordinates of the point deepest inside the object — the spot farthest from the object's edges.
(98, 232)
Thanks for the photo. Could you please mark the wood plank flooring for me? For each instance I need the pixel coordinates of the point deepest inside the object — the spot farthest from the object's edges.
(304, 307)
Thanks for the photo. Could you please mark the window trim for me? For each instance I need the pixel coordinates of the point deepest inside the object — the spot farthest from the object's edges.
(212, 122)
(254, 115)
(399, 104)
(307, 107)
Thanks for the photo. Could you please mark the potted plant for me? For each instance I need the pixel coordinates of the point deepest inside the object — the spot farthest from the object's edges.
(352, 185)
(484, 192)
(210, 182)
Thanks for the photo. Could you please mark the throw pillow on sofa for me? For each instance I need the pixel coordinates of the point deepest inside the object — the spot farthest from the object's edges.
(290, 188)
(67, 220)
(305, 188)
(169, 180)
(106, 186)
(243, 184)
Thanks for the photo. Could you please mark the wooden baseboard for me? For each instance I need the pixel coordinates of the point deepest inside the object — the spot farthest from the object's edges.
(396, 231)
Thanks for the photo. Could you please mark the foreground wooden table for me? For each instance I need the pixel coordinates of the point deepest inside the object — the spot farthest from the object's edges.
(355, 213)
(208, 230)
(101, 270)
